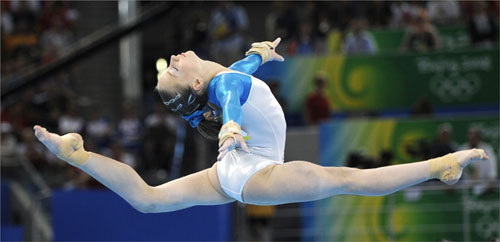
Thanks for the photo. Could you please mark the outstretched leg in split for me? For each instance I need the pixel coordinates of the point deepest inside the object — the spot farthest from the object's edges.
(201, 188)
(300, 181)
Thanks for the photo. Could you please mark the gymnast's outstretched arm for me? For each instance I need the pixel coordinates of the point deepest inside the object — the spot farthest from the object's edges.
(257, 56)
(300, 181)
(195, 189)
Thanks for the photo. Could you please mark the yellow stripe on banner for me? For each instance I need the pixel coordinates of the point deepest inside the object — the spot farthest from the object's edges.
(375, 218)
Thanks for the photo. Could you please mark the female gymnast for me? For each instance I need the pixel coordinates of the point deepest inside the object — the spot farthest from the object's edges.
(240, 110)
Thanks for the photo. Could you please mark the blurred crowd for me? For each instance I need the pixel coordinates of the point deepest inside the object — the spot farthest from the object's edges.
(38, 32)
(34, 33)
(313, 27)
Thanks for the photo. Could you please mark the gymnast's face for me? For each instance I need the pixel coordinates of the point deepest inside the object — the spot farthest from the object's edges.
(183, 72)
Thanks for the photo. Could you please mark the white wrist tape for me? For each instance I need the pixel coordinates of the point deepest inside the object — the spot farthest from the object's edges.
(261, 48)
(72, 151)
(228, 130)
(446, 168)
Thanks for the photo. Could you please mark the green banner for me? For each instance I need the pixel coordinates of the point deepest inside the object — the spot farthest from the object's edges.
(429, 213)
(392, 82)
(451, 38)
(421, 213)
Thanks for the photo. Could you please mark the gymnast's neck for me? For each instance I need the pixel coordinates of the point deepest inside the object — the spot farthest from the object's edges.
(210, 69)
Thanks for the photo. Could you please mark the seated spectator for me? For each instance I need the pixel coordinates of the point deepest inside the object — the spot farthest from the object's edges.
(421, 36)
(25, 11)
(71, 121)
(402, 13)
(358, 40)
(305, 40)
(379, 13)
(22, 41)
(129, 130)
(159, 138)
(99, 130)
(7, 22)
(317, 106)
(282, 22)
(55, 42)
(484, 172)
(482, 26)
(9, 141)
(423, 107)
(259, 220)
(227, 23)
(59, 13)
(443, 144)
(385, 158)
(443, 12)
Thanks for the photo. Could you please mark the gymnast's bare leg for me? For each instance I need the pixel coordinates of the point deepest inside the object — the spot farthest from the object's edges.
(295, 181)
(300, 181)
(201, 188)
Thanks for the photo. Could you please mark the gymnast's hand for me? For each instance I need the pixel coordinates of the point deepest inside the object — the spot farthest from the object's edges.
(68, 147)
(274, 55)
(230, 144)
(267, 50)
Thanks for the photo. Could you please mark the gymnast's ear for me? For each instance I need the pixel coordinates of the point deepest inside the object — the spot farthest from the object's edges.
(197, 84)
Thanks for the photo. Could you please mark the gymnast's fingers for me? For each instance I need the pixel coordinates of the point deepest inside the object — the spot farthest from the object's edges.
(278, 57)
(221, 155)
(276, 42)
(482, 154)
(225, 145)
(242, 143)
(224, 148)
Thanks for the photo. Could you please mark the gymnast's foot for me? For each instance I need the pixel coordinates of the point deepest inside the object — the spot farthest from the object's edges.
(449, 168)
(465, 157)
(68, 147)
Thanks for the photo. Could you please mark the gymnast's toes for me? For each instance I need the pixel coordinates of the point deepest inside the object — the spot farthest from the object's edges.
(465, 157)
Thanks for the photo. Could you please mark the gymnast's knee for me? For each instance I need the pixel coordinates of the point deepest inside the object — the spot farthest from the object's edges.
(152, 202)
(346, 179)
(143, 207)
(144, 203)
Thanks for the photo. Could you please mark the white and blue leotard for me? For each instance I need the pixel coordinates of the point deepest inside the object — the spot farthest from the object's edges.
(249, 102)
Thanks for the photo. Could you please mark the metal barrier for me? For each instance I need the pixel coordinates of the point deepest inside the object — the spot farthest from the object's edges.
(29, 194)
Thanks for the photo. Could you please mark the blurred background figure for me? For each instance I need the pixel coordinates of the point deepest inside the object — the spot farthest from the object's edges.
(443, 144)
(443, 12)
(9, 141)
(304, 42)
(482, 26)
(71, 121)
(483, 174)
(227, 26)
(99, 129)
(317, 105)
(282, 21)
(130, 130)
(402, 13)
(421, 35)
(358, 40)
(159, 138)
(259, 219)
(423, 107)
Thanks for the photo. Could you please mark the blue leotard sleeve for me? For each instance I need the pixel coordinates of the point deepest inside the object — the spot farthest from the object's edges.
(248, 65)
(228, 93)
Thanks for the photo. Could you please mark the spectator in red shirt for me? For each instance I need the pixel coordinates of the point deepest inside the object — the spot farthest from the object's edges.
(317, 106)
